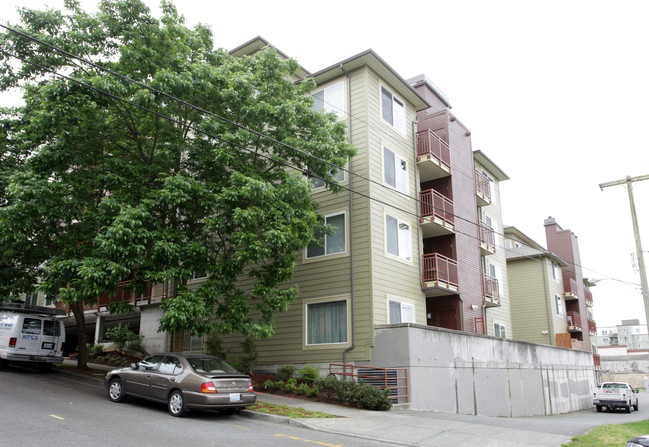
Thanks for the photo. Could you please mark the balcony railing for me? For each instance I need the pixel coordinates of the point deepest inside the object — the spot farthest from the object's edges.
(491, 290)
(592, 326)
(438, 208)
(432, 148)
(125, 293)
(588, 296)
(596, 360)
(570, 289)
(482, 188)
(487, 239)
(574, 321)
(440, 271)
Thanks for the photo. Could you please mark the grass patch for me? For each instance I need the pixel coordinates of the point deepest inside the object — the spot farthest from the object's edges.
(285, 410)
(610, 435)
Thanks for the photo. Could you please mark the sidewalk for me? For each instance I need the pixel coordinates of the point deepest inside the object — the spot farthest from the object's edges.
(406, 427)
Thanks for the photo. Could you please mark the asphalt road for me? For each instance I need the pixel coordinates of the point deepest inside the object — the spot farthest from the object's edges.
(63, 409)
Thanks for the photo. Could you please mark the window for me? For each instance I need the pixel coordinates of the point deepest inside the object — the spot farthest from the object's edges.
(393, 110)
(317, 182)
(31, 326)
(50, 300)
(397, 235)
(555, 271)
(558, 305)
(395, 171)
(326, 322)
(499, 330)
(193, 342)
(604, 332)
(52, 328)
(198, 275)
(605, 340)
(170, 365)
(31, 299)
(332, 244)
(401, 312)
(150, 363)
(330, 99)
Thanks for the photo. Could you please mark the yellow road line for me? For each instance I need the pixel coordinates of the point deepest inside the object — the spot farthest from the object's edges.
(239, 426)
(56, 417)
(307, 440)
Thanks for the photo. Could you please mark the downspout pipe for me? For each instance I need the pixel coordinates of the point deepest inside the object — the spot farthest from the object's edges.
(548, 304)
(351, 219)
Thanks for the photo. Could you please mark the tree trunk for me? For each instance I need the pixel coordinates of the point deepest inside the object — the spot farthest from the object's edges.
(79, 317)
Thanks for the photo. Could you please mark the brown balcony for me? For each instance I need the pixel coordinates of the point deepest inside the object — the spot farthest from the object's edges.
(588, 296)
(433, 156)
(574, 321)
(123, 293)
(482, 188)
(592, 327)
(491, 291)
(437, 216)
(570, 289)
(596, 360)
(487, 239)
(439, 274)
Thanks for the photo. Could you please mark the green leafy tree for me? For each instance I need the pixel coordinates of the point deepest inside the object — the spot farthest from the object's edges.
(100, 191)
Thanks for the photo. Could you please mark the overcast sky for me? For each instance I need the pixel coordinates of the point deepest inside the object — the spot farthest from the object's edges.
(556, 93)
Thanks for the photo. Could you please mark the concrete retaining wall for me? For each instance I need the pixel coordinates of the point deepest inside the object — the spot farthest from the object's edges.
(457, 372)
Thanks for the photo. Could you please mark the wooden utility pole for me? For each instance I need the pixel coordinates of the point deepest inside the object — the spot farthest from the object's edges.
(636, 231)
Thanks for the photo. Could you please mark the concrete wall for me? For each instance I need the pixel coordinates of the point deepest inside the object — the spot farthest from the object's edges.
(458, 372)
(154, 341)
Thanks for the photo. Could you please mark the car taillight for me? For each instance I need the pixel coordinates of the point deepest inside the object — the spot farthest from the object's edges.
(208, 387)
(12, 342)
(62, 346)
(250, 387)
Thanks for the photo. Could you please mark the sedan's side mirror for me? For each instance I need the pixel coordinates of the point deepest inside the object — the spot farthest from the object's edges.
(134, 365)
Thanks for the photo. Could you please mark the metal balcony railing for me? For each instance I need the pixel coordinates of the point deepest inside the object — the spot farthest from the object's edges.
(439, 268)
(592, 326)
(574, 321)
(588, 296)
(491, 289)
(482, 186)
(428, 143)
(570, 288)
(487, 237)
(432, 203)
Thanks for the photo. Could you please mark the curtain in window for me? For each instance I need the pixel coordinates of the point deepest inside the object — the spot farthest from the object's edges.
(392, 235)
(386, 105)
(388, 167)
(336, 242)
(395, 312)
(327, 322)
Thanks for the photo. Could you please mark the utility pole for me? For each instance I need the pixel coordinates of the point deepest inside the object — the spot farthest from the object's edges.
(636, 231)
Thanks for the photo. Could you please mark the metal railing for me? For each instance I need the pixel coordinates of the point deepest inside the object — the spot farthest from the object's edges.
(482, 185)
(435, 204)
(393, 379)
(487, 236)
(570, 284)
(440, 268)
(592, 326)
(491, 289)
(574, 320)
(428, 143)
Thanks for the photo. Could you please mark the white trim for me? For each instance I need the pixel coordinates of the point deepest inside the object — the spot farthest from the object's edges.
(340, 253)
(402, 103)
(305, 322)
(340, 112)
(400, 221)
(398, 162)
(403, 302)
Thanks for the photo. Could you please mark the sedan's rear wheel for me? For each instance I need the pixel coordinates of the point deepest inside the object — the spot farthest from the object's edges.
(116, 391)
(628, 408)
(177, 404)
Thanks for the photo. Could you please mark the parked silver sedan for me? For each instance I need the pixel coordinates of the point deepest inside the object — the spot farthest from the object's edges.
(183, 382)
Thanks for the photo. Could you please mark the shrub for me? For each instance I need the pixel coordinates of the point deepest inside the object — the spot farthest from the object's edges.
(329, 386)
(314, 391)
(285, 372)
(309, 374)
(121, 335)
(291, 385)
(250, 355)
(279, 384)
(355, 394)
(303, 388)
(269, 385)
(97, 350)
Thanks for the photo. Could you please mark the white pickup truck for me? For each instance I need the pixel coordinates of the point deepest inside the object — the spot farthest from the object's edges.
(611, 395)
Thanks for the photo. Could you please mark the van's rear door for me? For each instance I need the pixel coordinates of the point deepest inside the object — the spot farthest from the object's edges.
(29, 339)
(51, 340)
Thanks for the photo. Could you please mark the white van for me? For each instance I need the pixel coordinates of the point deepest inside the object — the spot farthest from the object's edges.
(31, 334)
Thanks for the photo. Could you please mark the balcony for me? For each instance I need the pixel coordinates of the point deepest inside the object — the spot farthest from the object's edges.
(487, 239)
(570, 289)
(592, 327)
(588, 296)
(439, 275)
(596, 360)
(433, 156)
(574, 321)
(151, 295)
(491, 291)
(436, 212)
(482, 188)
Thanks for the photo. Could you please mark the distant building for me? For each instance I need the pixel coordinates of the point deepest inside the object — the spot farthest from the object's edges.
(630, 335)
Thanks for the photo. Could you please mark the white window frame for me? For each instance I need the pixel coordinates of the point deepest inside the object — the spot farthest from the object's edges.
(398, 110)
(344, 227)
(402, 255)
(315, 301)
(409, 307)
(401, 179)
(556, 272)
(327, 105)
(558, 305)
(500, 330)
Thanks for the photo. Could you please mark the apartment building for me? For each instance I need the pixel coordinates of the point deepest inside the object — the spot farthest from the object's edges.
(577, 294)
(630, 333)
